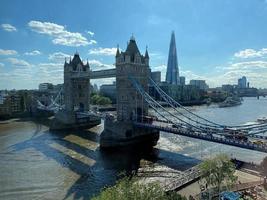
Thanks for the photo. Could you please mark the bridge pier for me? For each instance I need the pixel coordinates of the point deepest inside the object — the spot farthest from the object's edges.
(130, 104)
(118, 134)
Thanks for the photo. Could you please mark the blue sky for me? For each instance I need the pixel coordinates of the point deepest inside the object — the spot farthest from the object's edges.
(218, 41)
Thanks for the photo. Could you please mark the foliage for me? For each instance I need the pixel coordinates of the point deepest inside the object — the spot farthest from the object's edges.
(218, 170)
(133, 190)
(100, 100)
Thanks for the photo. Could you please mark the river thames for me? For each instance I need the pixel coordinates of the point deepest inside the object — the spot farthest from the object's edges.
(38, 164)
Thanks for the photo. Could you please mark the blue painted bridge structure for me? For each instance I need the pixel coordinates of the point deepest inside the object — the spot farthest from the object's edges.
(179, 120)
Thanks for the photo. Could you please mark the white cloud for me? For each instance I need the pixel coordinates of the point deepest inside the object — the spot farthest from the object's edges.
(58, 57)
(2, 64)
(259, 64)
(98, 65)
(103, 51)
(18, 62)
(33, 53)
(92, 42)
(8, 27)
(59, 34)
(91, 33)
(7, 52)
(251, 53)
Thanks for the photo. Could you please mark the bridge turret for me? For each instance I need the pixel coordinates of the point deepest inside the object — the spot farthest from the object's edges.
(129, 103)
(146, 57)
(76, 84)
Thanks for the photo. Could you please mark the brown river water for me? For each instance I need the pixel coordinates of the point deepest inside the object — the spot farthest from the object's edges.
(38, 164)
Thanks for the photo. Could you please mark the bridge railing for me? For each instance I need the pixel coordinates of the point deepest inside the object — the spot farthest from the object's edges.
(211, 138)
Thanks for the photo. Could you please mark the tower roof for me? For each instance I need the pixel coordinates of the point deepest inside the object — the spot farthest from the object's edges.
(118, 51)
(76, 59)
(132, 48)
(146, 54)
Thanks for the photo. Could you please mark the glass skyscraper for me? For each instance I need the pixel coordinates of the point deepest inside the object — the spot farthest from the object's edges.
(172, 75)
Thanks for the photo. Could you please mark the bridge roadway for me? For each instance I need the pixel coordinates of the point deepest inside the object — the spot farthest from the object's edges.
(204, 136)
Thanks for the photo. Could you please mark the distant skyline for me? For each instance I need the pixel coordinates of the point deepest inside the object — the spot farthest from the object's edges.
(216, 40)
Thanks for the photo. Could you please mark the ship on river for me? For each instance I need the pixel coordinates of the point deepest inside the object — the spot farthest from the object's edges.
(231, 101)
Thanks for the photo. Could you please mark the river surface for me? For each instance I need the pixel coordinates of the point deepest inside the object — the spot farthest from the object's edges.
(38, 164)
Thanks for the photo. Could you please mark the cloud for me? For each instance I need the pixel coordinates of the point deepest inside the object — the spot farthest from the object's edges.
(33, 53)
(103, 51)
(255, 71)
(251, 53)
(92, 42)
(97, 65)
(58, 57)
(2, 64)
(8, 27)
(18, 62)
(59, 34)
(91, 33)
(258, 64)
(7, 52)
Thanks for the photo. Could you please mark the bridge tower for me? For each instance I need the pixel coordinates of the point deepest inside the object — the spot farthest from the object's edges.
(76, 97)
(131, 63)
(76, 85)
(121, 131)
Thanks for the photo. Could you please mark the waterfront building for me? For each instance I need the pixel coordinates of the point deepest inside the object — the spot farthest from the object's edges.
(242, 82)
(201, 84)
(172, 75)
(109, 90)
(11, 103)
(182, 80)
(45, 86)
(156, 76)
(228, 88)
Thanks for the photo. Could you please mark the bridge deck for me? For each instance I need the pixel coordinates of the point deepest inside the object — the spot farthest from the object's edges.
(202, 136)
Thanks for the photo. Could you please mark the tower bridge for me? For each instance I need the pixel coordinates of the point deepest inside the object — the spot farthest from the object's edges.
(133, 123)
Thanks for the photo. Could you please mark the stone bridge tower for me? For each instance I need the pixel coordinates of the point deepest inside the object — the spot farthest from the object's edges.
(76, 85)
(130, 103)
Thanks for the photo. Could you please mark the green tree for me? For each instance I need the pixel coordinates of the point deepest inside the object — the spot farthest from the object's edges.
(133, 190)
(100, 100)
(218, 170)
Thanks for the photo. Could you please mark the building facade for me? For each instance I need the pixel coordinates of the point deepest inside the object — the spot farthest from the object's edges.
(45, 86)
(242, 82)
(156, 77)
(109, 90)
(201, 84)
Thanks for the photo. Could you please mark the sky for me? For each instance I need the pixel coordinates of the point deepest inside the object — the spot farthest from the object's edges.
(216, 40)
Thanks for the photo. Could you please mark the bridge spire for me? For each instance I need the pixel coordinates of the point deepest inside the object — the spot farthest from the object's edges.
(146, 54)
(118, 51)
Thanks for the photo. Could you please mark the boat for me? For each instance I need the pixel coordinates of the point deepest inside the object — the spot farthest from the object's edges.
(230, 101)
(262, 120)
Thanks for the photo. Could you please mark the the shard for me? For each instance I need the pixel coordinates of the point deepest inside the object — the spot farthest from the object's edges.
(172, 75)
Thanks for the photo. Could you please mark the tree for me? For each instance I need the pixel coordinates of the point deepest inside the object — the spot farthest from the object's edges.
(217, 170)
(134, 190)
(100, 100)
